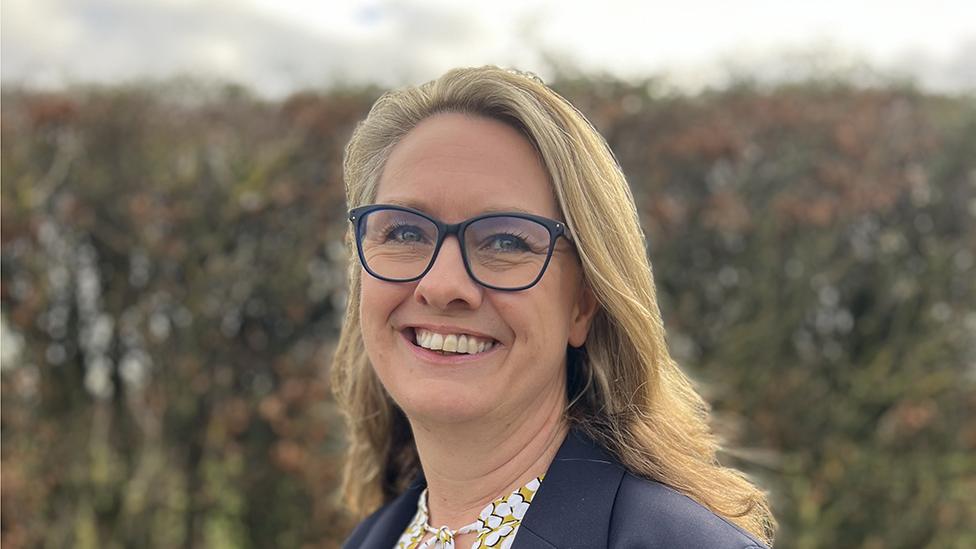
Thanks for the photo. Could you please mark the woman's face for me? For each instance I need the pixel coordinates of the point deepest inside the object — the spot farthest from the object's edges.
(454, 167)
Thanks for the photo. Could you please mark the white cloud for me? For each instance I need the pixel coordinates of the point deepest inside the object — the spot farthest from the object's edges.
(277, 46)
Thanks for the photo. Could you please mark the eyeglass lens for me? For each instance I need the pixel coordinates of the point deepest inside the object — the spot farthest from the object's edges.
(502, 251)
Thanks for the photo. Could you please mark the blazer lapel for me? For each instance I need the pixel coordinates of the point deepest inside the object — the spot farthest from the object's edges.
(571, 509)
(573, 505)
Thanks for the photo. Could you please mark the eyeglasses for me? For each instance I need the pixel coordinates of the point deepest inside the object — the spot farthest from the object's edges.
(501, 251)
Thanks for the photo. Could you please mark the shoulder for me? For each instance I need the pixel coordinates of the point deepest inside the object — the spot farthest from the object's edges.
(647, 514)
(384, 527)
(360, 532)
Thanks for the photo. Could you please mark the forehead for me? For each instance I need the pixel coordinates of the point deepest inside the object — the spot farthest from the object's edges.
(458, 165)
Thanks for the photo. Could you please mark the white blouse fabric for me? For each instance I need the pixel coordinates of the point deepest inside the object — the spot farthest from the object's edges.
(496, 526)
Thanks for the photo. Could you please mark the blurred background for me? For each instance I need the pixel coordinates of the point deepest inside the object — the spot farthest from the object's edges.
(173, 267)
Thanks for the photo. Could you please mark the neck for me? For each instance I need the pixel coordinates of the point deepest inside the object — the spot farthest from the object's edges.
(469, 466)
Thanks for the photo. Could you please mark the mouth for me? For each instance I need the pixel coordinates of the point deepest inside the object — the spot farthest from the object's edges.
(449, 344)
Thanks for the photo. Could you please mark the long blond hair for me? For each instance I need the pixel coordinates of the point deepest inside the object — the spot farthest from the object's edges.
(625, 390)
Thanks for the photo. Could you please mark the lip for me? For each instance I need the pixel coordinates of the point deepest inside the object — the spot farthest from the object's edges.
(427, 355)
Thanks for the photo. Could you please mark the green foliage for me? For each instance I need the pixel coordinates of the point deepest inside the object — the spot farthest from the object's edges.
(173, 282)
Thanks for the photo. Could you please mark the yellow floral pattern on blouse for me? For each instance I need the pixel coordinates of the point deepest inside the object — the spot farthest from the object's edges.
(496, 526)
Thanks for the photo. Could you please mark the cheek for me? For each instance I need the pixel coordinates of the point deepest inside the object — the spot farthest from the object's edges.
(539, 321)
(378, 300)
(556, 307)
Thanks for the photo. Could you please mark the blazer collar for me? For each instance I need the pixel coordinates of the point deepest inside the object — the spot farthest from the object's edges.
(571, 509)
(573, 505)
(394, 518)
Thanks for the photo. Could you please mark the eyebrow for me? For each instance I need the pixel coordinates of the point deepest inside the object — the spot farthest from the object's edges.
(418, 206)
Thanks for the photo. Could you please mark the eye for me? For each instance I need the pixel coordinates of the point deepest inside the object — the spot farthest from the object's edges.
(407, 234)
(507, 243)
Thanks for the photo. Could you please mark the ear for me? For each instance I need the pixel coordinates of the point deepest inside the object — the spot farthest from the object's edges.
(582, 316)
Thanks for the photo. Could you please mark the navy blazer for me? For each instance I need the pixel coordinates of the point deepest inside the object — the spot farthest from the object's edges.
(587, 501)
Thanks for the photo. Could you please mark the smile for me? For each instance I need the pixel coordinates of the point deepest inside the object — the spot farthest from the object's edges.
(452, 343)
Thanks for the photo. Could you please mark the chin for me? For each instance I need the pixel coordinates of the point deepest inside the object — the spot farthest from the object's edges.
(444, 404)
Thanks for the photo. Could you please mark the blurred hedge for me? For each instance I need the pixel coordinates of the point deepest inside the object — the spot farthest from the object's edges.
(173, 280)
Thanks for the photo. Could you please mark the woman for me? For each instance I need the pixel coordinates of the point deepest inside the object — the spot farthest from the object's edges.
(502, 364)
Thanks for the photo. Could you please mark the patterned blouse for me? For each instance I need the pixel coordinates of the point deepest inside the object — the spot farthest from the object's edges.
(496, 525)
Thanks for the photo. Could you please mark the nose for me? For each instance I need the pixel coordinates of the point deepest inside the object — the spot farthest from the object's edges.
(447, 284)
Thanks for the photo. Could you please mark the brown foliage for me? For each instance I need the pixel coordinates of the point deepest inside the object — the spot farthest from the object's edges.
(173, 267)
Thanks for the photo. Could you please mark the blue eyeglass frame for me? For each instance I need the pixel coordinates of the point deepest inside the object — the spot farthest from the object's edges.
(556, 229)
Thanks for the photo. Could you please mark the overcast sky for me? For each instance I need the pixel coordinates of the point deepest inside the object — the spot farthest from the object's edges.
(277, 46)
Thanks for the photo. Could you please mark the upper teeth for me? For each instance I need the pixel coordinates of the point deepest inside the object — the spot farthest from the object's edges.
(458, 343)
